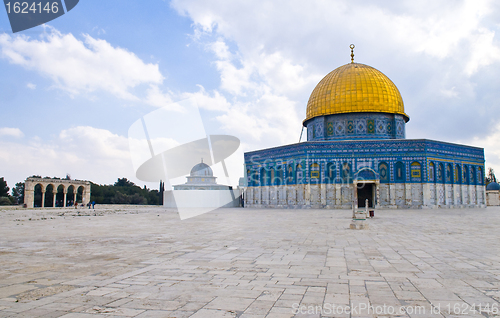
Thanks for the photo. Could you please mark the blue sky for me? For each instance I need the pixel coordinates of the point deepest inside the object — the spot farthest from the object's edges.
(70, 90)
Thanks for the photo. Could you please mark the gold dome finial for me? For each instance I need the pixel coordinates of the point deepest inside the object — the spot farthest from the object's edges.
(352, 52)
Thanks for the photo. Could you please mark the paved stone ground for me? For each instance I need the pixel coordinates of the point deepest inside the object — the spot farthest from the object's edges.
(145, 262)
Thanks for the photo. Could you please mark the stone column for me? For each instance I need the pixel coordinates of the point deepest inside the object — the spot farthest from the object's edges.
(408, 197)
(426, 195)
(87, 194)
(65, 195)
(376, 199)
(482, 190)
(307, 195)
(54, 199)
(355, 194)
(462, 192)
(446, 190)
(83, 197)
(456, 194)
(43, 198)
(469, 192)
(338, 194)
(29, 197)
(392, 194)
(323, 187)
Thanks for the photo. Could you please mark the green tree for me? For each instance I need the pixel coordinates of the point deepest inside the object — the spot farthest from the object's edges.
(120, 198)
(124, 182)
(18, 192)
(491, 176)
(4, 189)
(123, 191)
(5, 201)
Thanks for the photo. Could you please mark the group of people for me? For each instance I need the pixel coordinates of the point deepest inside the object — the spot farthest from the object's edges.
(90, 204)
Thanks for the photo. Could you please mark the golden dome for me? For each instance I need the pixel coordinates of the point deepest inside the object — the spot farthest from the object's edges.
(354, 88)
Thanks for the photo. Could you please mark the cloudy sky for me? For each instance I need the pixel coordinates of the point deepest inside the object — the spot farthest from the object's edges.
(71, 89)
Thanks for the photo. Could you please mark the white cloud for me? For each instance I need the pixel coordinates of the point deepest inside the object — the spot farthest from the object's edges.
(491, 150)
(31, 86)
(155, 97)
(215, 101)
(81, 66)
(13, 132)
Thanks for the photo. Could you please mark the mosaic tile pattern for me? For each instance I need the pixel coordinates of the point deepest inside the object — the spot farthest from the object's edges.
(356, 126)
(367, 153)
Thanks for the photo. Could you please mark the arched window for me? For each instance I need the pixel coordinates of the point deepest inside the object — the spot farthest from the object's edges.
(290, 174)
(383, 171)
(432, 172)
(400, 172)
(271, 176)
(249, 178)
(279, 176)
(479, 175)
(472, 175)
(330, 173)
(299, 174)
(263, 177)
(458, 174)
(449, 174)
(314, 167)
(440, 173)
(466, 178)
(346, 173)
(416, 172)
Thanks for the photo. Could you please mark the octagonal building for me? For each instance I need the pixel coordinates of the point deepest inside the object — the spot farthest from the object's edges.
(356, 150)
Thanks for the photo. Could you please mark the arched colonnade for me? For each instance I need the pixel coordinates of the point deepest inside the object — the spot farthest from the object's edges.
(45, 192)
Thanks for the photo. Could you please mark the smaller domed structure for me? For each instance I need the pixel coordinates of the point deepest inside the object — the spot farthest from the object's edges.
(201, 177)
(493, 186)
(202, 170)
(493, 194)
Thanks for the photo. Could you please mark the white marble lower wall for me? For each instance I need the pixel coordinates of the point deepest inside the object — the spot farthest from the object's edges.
(390, 195)
(492, 198)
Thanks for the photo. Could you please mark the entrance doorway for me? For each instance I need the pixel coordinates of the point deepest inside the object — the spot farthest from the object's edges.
(365, 191)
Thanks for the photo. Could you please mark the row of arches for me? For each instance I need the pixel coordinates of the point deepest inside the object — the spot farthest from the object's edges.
(454, 173)
(438, 172)
(294, 173)
(50, 196)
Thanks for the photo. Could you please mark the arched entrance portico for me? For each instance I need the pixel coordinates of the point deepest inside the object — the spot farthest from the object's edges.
(366, 187)
(46, 192)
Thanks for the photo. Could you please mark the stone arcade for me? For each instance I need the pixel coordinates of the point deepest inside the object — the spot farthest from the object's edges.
(56, 187)
(356, 150)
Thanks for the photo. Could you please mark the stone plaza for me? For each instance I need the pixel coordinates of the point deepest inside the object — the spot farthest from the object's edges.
(124, 261)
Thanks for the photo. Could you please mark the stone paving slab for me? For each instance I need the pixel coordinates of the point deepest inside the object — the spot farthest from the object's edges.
(126, 261)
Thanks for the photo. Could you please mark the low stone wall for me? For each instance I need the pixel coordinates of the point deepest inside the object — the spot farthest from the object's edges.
(390, 195)
(201, 198)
